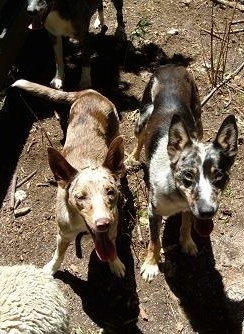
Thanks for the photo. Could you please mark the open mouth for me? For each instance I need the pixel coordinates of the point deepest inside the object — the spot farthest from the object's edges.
(37, 21)
(104, 247)
(203, 227)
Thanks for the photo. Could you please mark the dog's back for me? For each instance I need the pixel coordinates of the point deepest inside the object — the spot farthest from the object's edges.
(92, 118)
(170, 91)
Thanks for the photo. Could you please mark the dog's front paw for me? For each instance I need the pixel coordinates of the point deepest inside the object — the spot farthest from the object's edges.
(56, 83)
(189, 247)
(117, 267)
(149, 271)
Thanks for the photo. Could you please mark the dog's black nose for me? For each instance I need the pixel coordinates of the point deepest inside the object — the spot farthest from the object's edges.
(205, 210)
(31, 11)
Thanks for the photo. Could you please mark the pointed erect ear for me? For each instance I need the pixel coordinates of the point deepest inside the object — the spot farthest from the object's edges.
(63, 172)
(115, 156)
(227, 135)
(178, 138)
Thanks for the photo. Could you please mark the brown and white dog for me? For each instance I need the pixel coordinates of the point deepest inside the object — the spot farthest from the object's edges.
(71, 19)
(186, 175)
(87, 172)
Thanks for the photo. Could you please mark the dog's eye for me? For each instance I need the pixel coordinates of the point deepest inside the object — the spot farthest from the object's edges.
(111, 192)
(81, 197)
(218, 175)
(219, 179)
(188, 178)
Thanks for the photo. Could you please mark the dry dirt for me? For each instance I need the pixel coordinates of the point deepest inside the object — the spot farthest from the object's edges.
(204, 294)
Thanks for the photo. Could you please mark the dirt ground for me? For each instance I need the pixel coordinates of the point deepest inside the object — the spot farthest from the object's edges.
(203, 294)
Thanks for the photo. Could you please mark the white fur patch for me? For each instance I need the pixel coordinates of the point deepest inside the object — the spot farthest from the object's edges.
(205, 186)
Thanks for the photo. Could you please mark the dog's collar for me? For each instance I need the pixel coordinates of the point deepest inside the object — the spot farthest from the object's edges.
(39, 20)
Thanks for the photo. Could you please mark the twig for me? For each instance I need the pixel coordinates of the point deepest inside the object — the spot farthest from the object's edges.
(21, 212)
(237, 22)
(29, 146)
(27, 178)
(228, 78)
(12, 190)
(37, 119)
(232, 4)
(233, 31)
(210, 32)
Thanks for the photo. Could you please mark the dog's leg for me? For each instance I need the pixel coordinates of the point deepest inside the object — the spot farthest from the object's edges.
(187, 244)
(57, 81)
(139, 145)
(85, 81)
(58, 257)
(150, 267)
(120, 31)
(117, 267)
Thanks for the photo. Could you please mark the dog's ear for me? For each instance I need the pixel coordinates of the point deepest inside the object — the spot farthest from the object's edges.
(178, 138)
(63, 172)
(227, 135)
(115, 156)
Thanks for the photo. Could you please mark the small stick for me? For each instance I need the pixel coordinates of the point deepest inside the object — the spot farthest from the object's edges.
(27, 178)
(222, 32)
(21, 212)
(43, 184)
(237, 22)
(38, 121)
(12, 190)
(232, 4)
(228, 78)
(29, 146)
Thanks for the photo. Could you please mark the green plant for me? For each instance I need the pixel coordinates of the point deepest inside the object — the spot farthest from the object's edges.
(140, 30)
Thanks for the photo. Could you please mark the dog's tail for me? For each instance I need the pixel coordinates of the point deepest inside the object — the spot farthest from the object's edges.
(45, 92)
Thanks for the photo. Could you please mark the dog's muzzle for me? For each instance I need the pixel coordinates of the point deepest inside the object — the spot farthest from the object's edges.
(102, 224)
(205, 210)
(105, 248)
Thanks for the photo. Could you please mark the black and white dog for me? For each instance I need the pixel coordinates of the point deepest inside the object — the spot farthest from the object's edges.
(186, 175)
(71, 18)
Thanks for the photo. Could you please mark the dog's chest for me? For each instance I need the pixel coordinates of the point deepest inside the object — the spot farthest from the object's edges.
(164, 195)
(58, 26)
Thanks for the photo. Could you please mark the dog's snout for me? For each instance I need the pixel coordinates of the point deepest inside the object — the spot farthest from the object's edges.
(102, 224)
(205, 210)
(31, 11)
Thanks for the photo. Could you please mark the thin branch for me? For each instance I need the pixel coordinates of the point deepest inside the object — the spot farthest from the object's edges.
(27, 178)
(12, 190)
(227, 79)
(232, 4)
(37, 119)
(237, 22)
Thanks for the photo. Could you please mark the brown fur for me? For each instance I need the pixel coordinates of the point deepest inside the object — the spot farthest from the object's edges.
(86, 173)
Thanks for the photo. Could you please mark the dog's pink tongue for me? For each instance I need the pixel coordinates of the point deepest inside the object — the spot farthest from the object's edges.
(104, 247)
(36, 23)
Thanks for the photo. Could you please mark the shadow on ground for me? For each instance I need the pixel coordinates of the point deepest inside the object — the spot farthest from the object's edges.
(199, 286)
(36, 63)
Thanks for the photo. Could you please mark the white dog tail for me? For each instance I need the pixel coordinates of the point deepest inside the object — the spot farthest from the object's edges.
(48, 93)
